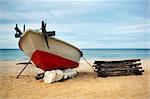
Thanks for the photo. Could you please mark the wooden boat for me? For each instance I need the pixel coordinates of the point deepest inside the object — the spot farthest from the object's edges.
(47, 52)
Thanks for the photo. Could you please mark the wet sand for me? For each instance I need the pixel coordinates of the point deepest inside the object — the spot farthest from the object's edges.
(83, 86)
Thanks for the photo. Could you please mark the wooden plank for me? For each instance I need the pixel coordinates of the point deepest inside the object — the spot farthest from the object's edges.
(115, 74)
(119, 69)
(118, 73)
(119, 61)
(116, 65)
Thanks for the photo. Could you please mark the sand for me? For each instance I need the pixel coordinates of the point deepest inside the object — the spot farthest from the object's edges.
(84, 86)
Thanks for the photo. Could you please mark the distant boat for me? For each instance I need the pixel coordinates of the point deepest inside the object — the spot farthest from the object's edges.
(47, 52)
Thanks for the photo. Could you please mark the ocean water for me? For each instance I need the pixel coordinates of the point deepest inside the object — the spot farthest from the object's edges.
(17, 54)
(12, 54)
(116, 53)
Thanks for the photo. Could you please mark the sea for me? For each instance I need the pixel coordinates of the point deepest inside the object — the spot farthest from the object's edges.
(93, 54)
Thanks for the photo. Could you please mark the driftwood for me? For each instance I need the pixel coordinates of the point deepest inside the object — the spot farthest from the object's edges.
(118, 68)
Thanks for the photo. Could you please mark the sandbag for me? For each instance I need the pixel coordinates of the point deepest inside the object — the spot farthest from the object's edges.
(69, 73)
(57, 75)
(52, 76)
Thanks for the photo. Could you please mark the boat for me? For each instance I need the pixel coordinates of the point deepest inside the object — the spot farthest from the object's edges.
(47, 52)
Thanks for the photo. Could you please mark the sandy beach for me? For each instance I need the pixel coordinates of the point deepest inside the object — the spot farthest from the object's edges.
(84, 86)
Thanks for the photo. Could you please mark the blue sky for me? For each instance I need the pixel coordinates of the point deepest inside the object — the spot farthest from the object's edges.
(83, 23)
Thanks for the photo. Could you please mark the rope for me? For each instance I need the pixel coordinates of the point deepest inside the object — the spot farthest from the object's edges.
(89, 64)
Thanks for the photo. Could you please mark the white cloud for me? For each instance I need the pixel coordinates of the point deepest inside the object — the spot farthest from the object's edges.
(54, 12)
(124, 28)
(85, 24)
(134, 28)
(6, 15)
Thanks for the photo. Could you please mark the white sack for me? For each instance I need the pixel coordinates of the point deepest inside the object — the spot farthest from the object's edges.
(69, 73)
(56, 75)
(52, 76)
(59, 75)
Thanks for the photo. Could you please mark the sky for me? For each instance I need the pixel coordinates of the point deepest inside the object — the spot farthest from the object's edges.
(83, 23)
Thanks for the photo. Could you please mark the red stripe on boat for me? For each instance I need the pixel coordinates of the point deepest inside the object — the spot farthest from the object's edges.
(48, 61)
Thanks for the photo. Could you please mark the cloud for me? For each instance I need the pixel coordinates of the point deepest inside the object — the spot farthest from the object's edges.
(84, 23)
(136, 28)
(73, 12)
(86, 35)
